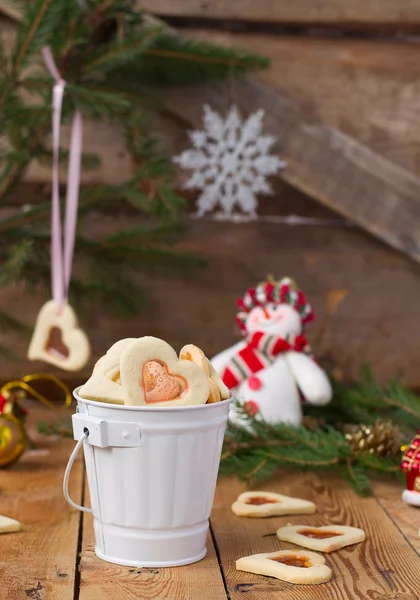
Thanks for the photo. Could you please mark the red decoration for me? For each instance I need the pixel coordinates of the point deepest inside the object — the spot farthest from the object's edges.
(251, 360)
(410, 463)
(269, 289)
(254, 382)
(301, 343)
(251, 407)
(2, 402)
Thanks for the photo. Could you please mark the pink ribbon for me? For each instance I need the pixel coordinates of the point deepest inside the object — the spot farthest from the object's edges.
(62, 250)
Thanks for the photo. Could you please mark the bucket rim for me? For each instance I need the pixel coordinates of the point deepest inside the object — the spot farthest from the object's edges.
(151, 408)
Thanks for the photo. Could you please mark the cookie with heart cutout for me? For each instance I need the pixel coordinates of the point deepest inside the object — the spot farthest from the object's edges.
(270, 504)
(8, 525)
(195, 355)
(324, 539)
(153, 375)
(218, 390)
(57, 338)
(300, 567)
(214, 376)
(214, 395)
(104, 385)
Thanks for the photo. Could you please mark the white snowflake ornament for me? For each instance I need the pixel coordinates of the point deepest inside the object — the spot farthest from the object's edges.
(231, 161)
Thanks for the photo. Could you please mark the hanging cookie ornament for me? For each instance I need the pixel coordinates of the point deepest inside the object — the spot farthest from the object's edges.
(57, 338)
(231, 161)
(272, 368)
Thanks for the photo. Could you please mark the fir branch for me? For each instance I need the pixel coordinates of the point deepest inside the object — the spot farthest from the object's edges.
(3, 57)
(260, 466)
(375, 463)
(109, 289)
(122, 53)
(305, 463)
(25, 216)
(15, 168)
(128, 251)
(33, 21)
(148, 257)
(174, 59)
(159, 200)
(367, 401)
(12, 267)
(38, 85)
(164, 232)
(9, 323)
(403, 399)
(62, 427)
(358, 479)
(40, 21)
(89, 161)
(9, 354)
(132, 91)
(95, 102)
(257, 449)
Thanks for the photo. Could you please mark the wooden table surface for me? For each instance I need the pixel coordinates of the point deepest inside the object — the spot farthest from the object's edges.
(52, 558)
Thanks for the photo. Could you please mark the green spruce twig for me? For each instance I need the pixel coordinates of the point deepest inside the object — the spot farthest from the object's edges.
(255, 450)
(62, 427)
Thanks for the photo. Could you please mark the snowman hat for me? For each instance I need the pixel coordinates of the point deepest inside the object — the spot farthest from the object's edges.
(284, 291)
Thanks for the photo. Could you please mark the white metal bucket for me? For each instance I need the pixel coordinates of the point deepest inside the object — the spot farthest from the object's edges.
(152, 475)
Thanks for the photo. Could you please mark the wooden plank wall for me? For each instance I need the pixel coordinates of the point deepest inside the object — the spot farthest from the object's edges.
(344, 113)
(364, 12)
(377, 321)
(368, 90)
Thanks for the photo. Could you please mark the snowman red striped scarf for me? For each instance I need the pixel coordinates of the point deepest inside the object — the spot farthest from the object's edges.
(259, 353)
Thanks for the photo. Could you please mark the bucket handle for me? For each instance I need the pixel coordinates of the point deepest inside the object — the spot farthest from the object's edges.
(68, 471)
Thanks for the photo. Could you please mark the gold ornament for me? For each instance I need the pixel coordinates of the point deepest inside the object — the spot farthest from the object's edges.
(22, 385)
(382, 438)
(13, 438)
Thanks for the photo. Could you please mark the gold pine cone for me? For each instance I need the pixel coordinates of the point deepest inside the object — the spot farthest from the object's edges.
(383, 438)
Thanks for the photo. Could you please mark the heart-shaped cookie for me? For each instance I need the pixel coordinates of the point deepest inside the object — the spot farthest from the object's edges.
(195, 355)
(214, 376)
(269, 504)
(324, 539)
(57, 338)
(288, 565)
(104, 385)
(214, 395)
(7, 525)
(152, 374)
(218, 390)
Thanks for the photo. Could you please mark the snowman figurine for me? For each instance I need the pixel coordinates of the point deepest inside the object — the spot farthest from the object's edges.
(272, 368)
